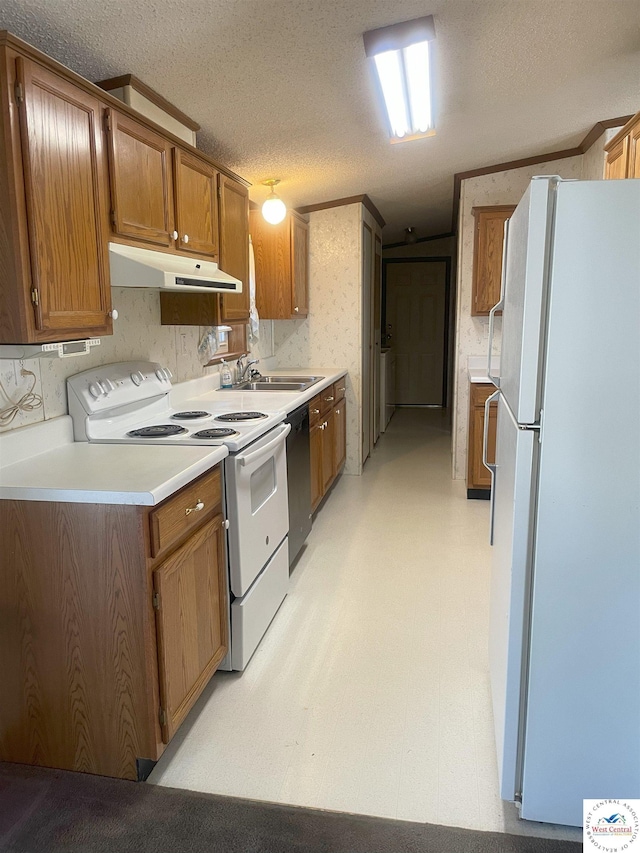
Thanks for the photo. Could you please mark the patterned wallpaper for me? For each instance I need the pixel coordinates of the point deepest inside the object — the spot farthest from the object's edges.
(137, 335)
(331, 335)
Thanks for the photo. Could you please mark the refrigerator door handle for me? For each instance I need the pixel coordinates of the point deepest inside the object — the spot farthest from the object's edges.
(498, 306)
(490, 465)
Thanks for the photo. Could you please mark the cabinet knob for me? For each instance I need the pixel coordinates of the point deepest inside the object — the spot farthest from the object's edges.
(113, 313)
(199, 506)
(174, 235)
(328, 399)
(185, 239)
(337, 411)
(296, 309)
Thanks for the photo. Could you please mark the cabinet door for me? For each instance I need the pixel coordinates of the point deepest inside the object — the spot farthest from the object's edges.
(328, 469)
(191, 621)
(196, 198)
(617, 163)
(272, 251)
(64, 175)
(479, 477)
(487, 256)
(234, 245)
(315, 449)
(339, 436)
(299, 267)
(141, 185)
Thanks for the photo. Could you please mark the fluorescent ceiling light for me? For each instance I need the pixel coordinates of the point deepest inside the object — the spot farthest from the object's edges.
(402, 60)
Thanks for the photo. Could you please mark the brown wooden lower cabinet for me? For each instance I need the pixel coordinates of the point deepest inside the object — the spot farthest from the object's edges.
(327, 441)
(479, 477)
(104, 648)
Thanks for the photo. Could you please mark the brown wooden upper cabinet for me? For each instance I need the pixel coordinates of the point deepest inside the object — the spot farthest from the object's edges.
(195, 183)
(141, 182)
(53, 250)
(487, 256)
(234, 245)
(282, 266)
(623, 151)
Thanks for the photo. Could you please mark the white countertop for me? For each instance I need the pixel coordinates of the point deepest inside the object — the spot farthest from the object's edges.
(106, 473)
(80, 472)
(269, 401)
(477, 368)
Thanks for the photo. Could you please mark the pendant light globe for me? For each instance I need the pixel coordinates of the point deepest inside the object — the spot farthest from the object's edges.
(274, 209)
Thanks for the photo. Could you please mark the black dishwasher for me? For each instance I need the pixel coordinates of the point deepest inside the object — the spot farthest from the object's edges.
(298, 480)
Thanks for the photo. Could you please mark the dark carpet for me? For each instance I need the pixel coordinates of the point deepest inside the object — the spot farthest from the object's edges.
(50, 811)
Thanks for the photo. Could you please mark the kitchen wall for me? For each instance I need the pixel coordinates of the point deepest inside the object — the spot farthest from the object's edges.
(472, 332)
(137, 335)
(331, 334)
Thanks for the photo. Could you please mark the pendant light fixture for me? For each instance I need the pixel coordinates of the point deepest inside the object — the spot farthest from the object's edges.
(274, 209)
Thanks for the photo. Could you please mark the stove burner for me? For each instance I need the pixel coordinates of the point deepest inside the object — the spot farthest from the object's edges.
(190, 416)
(241, 416)
(157, 431)
(215, 432)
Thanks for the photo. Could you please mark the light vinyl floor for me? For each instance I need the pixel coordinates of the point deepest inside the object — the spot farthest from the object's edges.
(370, 692)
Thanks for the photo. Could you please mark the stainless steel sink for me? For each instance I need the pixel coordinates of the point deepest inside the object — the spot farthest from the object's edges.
(276, 383)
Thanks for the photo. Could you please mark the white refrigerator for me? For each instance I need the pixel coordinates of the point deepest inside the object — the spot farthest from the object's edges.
(565, 590)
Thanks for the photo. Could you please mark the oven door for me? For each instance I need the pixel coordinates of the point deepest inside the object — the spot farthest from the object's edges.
(257, 506)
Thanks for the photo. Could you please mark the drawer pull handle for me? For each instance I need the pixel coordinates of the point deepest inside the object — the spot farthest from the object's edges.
(199, 505)
(315, 411)
(342, 390)
(328, 399)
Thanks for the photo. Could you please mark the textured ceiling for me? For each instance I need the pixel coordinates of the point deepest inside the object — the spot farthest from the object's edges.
(282, 89)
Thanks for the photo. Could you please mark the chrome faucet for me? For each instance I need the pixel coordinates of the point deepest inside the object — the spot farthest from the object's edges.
(244, 371)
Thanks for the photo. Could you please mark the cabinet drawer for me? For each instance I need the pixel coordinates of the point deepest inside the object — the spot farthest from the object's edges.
(327, 399)
(182, 512)
(340, 388)
(315, 409)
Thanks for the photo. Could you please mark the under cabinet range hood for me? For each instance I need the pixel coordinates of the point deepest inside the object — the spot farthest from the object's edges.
(133, 267)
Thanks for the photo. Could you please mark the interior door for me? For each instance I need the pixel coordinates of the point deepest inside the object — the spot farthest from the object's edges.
(416, 309)
(512, 497)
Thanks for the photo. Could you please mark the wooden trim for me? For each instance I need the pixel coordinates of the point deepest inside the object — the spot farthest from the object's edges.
(596, 131)
(622, 132)
(107, 100)
(151, 95)
(342, 202)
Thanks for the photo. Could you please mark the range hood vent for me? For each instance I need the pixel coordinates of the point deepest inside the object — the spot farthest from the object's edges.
(133, 267)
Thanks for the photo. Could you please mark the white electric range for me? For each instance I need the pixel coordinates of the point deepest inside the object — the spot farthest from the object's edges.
(130, 402)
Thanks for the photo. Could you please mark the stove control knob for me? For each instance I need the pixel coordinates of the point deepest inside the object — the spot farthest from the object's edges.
(138, 377)
(107, 386)
(95, 390)
(168, 375)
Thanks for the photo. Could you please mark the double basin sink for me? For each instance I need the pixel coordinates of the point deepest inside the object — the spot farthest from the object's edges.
(276, 383)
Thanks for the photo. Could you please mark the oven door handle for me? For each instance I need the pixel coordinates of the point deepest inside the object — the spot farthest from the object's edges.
(284, 431)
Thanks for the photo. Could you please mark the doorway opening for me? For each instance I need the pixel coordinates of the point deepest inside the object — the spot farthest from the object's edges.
(416, 297)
